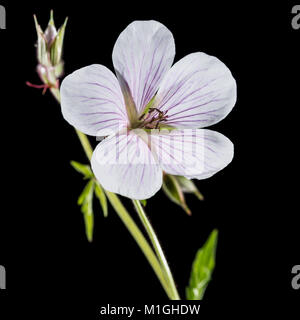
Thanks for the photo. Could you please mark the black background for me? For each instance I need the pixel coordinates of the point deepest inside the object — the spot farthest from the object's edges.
(253, 202)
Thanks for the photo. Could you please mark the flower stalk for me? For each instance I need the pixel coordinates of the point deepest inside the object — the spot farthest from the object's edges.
(146, 223)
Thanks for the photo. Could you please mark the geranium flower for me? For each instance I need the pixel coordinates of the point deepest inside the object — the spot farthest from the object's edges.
(151, 113)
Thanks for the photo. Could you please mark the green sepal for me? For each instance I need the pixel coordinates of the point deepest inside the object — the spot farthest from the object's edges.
(202, 268)
(188, 186)
(57, 45)
(51, 21)
(143, 202)
(50, 45)
(51, 32)
(172, 189)
(42, 54)
(59, 70)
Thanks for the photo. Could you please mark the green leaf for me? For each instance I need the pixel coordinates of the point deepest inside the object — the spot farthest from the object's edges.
(83, 169)
(85, 193)
(202, 268)
(102, 198)
(188, 186)
(173, 191)
(86, 201)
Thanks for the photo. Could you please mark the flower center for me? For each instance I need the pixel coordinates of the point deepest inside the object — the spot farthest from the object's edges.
(152, 119)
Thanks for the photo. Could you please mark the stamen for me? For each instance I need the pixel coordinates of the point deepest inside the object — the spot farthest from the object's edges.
(153, 121)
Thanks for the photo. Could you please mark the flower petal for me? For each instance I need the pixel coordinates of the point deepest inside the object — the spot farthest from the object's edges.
(197, 92)
(193, 153)
(92, 101)
(123, 164)
(142, 55)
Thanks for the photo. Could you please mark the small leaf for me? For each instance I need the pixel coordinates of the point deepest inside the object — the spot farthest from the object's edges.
(86, 202)
(102, 198)
(202, 268)
(85, 193)
(89, 225)
(172, 189)
(188, 186)
(83, 169)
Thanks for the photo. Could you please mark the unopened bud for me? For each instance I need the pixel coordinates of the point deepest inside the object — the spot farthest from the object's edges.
(49, 50)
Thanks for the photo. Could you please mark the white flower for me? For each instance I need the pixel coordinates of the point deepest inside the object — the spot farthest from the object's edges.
(148, 93)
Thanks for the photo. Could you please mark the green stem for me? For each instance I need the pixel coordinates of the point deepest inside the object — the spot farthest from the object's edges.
(85, 144)
(82, 137)
(127, 220)
(159, 252)
(140, 239)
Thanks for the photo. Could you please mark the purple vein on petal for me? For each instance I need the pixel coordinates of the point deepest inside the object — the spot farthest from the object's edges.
(196, 114)
(148, 95)
(187, 95)
(112, 119)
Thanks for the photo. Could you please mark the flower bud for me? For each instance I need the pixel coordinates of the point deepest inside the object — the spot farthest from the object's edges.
(49, 50)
